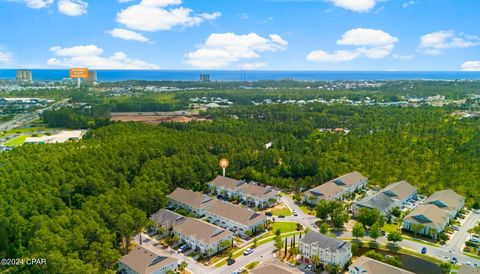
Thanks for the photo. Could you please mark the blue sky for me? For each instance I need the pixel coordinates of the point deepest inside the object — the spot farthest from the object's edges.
(241, 34)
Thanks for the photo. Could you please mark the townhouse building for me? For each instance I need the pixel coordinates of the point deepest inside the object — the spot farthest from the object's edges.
(241, 221)
(394, 195)
(329, 250)
(193, 202)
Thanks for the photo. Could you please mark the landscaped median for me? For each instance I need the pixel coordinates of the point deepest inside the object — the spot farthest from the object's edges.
(286, 229)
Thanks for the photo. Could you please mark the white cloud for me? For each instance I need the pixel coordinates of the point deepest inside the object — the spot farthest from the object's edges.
(91, 56)
(35, 4)
(252, 66)
(154, 15)
(366, 37)
(128, 35)
(72, 7)
(224, 49)
(436, 42)
(368, 43)
(5, 57)
(471, 66)
(337, 56)
(408, 4)
(355, 5)
(403, 57)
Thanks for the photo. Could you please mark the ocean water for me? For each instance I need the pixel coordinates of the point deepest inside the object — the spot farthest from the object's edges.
(235, 75)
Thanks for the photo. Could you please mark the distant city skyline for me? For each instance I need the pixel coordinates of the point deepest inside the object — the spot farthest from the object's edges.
(352, 35)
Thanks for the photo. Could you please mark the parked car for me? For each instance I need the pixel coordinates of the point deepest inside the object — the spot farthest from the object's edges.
(310, 267)
(281, 216)
(268, 213)
(230, 262)
(454, 260)
(248, 251)
(424, 250)
(454, 227)
(183, 248)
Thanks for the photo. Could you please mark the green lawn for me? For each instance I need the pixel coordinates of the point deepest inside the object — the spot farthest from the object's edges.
(307, 209)
(286, 229)
(22, 130)
(15, 142)
(389, 228)
(285, 211)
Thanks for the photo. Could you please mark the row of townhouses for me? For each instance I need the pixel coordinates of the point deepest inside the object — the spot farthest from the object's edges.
(241, 221)
(336, 188)
(431, 217)
(329, 250)
(198, 234)
(251, 193)
(394, 195)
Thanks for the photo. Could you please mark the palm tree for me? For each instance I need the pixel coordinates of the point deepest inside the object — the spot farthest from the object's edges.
(315, 260)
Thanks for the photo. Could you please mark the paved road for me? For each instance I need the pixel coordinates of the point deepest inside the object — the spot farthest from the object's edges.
(444, 253)
(260, 254)
(459, 238)
(25, 118)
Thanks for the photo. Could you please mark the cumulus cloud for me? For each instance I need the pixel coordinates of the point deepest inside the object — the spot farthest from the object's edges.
(128, 35)
(252, 66)
(36, 4)
(5, 57)
(91, 56)
(471, 66)
(355, 5)
(368, 43)
(72, 7)
(404, 57)
(156, 15)
(225, 49)
(436, 42)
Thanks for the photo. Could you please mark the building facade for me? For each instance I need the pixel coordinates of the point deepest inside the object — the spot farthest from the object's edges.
(203, 237)
(193, 202)
(336, 188)
(394, 195)
(431, 218)
(241, 221)
(329, 250)
(249, 193)
(24, 75)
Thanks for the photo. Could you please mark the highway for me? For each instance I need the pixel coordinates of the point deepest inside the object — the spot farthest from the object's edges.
(25, 118)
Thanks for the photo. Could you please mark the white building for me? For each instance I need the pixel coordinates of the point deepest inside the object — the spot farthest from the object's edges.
(193, 202)
(239, 220)
(394, 195)
(144, 261)
(336, 188)
(202, 236)
(329, 250)
(250, 193)
(60, 137)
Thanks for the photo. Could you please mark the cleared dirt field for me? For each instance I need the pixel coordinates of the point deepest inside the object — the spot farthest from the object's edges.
(155, 117)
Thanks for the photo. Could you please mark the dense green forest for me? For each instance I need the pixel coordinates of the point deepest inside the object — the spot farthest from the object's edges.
(77, 204)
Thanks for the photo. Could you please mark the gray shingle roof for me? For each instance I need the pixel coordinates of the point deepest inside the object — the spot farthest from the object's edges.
(145, 261)
(167, 218)
(324, 242)
(236, 213)
(188, 197)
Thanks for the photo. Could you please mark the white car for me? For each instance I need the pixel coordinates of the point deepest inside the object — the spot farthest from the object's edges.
(310, 267)
(295, 213)
(248, 251)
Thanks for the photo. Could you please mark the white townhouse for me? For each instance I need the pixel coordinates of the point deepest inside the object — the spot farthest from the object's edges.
(145, 261)
(241, 221)
(431, 217)
(204, 237)
(329, 250)
(193, 202)
(336, 188)
(250, 193)
(394, 195)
